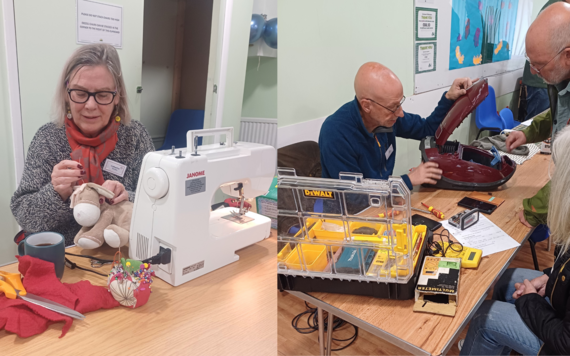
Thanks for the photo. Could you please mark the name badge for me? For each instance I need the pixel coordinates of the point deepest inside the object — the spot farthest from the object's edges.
(389, 151)
(114, 167)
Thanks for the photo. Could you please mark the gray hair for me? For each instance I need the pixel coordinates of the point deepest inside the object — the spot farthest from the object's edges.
(559, 204)
(91, 55)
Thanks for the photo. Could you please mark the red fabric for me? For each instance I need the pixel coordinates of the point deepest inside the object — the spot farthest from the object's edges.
(26, 319)
(91, 151)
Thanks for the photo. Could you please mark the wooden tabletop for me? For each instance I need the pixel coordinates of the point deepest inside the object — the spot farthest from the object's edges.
(433, 332)
(230, 311)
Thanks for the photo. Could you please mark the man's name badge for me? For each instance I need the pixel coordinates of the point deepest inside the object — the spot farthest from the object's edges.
(389, 151)
(114, 167)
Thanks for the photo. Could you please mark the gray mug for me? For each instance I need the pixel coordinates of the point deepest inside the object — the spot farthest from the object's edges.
(47, 246)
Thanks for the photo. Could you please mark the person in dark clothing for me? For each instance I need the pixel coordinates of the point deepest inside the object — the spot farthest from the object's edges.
(360, 137)
(536, 93)
(530, 310)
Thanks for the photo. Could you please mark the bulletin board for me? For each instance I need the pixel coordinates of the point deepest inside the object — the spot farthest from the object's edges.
(474, 38)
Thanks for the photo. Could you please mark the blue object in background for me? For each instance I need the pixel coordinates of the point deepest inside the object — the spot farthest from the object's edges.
(495, 153)
(270, 33)
(487, 119)
(182, 121)
(256, 28)
(540, 233)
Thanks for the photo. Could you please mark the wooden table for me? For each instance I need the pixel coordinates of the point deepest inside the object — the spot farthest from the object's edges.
(230, 311)
(428, 334)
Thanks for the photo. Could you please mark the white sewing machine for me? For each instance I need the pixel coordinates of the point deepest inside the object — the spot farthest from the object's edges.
(174, 195)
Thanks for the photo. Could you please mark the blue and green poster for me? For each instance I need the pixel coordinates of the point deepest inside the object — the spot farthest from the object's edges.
(482, 31)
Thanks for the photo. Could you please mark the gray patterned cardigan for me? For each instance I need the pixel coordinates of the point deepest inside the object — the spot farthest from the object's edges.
(38, 207)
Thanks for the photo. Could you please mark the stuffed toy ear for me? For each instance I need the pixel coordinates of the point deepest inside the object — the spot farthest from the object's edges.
(76, 191)
(102, 191)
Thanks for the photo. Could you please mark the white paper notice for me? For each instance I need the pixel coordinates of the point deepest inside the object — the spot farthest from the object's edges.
(99, 23)
(484, 235)
(426, 24)
(426, 54)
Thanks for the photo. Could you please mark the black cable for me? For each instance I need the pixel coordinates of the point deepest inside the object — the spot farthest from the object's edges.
(164, 256)
(435, 247)
(73, 265)
(91, 257)
(313, 325)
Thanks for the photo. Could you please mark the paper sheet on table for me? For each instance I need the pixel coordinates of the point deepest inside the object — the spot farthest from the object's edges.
(484, 235)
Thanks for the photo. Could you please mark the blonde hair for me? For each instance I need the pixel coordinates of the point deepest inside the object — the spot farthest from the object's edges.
(559, 205)
(97, 54)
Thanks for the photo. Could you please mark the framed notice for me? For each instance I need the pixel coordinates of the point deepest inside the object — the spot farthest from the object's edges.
(426, 24)
(426, 54)
(98, 22)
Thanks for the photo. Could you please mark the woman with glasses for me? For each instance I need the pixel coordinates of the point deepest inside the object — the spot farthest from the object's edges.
(92, 139)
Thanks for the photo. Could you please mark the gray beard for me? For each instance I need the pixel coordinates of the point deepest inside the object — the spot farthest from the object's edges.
(559, 74)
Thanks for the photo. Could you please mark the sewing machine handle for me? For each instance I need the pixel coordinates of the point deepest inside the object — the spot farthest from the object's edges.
(192, 136)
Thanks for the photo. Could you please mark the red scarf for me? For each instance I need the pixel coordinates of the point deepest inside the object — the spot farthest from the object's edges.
(91, 151)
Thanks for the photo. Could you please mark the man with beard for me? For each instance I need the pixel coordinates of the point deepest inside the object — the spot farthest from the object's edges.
(548, 54)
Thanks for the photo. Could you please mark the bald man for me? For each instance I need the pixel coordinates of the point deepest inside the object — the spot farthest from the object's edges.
(360, 137)
(548, 54)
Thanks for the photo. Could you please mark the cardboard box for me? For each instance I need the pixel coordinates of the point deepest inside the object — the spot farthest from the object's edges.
(438, 283)
(267, 204)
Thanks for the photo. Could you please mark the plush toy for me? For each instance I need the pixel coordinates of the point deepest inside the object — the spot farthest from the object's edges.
(101, 222)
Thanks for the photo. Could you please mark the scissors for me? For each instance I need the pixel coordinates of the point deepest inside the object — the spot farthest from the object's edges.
(11, 285)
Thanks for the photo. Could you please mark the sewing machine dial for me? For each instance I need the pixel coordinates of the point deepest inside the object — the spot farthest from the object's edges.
(155, 183)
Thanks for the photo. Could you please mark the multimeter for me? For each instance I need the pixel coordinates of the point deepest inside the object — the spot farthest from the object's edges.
(470, 257)
(465, 219)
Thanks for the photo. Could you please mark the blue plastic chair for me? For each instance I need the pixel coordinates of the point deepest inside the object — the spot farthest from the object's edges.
(182, 121)
(540, 233)
(487, 119)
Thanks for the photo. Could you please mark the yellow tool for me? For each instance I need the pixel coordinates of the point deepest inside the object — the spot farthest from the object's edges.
(470, 257)
(435, 212)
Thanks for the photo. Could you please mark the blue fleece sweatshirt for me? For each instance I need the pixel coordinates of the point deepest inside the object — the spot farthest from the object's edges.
(346, 145)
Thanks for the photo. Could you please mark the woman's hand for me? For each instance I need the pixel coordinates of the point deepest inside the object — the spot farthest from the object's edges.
(64, 177)
(118, 189)
(538, 285)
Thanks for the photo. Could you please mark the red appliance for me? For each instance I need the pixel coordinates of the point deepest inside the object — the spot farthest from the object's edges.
(465, 167)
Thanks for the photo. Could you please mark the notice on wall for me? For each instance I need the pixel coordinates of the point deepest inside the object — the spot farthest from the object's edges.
(426, 24)
(425, 57)
(99, 23)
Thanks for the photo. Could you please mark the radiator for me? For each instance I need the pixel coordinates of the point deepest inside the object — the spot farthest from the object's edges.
(262, 131)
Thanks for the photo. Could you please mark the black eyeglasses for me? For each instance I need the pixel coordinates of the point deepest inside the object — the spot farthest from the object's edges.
(101, 97)
(390, 110)
(541, 68)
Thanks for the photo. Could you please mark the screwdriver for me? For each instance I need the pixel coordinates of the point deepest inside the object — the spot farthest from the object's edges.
(435, 212)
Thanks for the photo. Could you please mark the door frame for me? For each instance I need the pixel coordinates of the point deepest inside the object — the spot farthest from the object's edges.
(13, 86)
(218, 66)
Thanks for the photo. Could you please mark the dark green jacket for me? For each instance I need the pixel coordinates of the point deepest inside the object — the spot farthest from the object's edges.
(536, 208)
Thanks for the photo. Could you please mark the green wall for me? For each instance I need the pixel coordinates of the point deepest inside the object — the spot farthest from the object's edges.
(260, 93)
(8, 178)
(324, 42)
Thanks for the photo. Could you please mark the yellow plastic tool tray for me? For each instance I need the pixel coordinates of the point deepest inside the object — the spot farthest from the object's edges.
(284, 253)
(311, 224)
(315, 258)
(384, 261)
(377, 238)
(322, 234)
